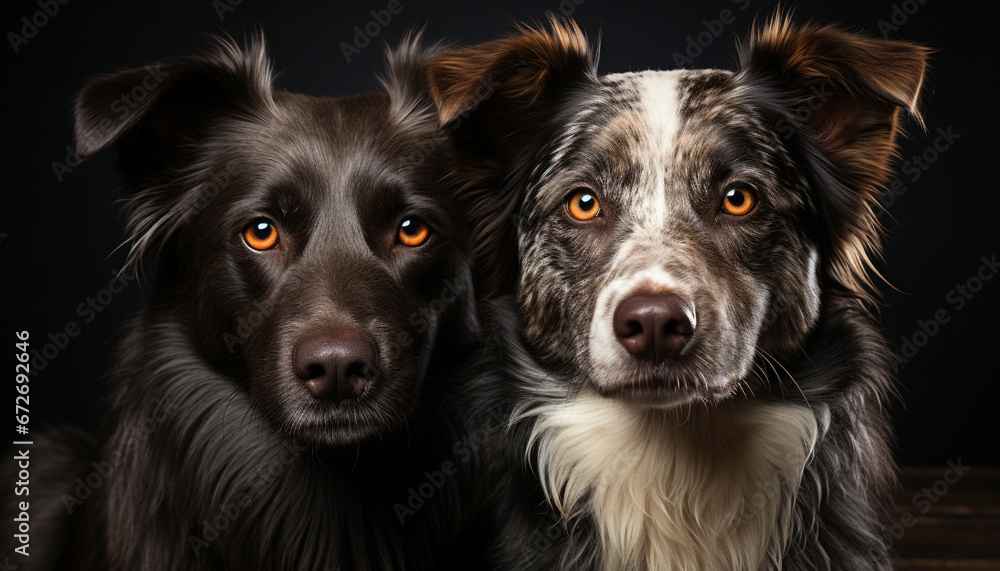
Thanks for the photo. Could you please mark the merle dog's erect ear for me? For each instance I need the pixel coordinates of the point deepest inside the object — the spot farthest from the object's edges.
(496, 99)
(150, 113)
(509, 83)
(849, 87)
(842, 93)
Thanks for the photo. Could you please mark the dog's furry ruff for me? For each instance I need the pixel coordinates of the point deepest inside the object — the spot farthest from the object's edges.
(700, 488)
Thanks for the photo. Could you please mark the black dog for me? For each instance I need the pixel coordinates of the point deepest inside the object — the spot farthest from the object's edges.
(696, 371)
(291, 379)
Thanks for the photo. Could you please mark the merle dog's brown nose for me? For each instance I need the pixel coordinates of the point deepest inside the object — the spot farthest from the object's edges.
(653, 327)
(334, 365)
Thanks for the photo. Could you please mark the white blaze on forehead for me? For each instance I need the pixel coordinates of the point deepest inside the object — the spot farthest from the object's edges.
(657, 111)
(659, 107)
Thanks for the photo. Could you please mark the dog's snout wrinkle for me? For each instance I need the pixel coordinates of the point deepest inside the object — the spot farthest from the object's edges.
(653, 327)
(334, 365)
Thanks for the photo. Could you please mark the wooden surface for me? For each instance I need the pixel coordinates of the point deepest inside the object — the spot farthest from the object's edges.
(960, 530)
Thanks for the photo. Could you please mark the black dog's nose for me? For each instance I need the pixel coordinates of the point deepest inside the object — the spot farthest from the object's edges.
(653, 327)
(334, 365)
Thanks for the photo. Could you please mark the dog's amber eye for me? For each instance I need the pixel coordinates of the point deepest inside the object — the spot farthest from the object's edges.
(413, 232)
(739, 200)
(260, 235)
(583, 205)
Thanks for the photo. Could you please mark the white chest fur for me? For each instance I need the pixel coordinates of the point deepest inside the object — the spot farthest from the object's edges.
(694, 488)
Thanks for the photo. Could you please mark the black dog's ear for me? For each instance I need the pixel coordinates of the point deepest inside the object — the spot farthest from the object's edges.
(405, 80)
(149, 114)
(496, 99)
(156, 117)
(843, 94)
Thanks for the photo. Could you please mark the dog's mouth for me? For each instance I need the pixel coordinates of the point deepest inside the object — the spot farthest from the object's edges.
(343, 412)
(656, 398)
(364, 409)
(374, 411)
(666, 393)
(673, 382)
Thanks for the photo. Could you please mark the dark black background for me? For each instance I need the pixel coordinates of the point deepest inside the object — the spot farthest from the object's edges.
(58, 237)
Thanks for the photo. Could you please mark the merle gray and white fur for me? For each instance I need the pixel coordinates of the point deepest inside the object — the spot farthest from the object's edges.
(229, 449)
(688, 383)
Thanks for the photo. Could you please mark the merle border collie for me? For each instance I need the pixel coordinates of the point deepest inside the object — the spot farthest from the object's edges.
(293, 374)
(680, 268)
